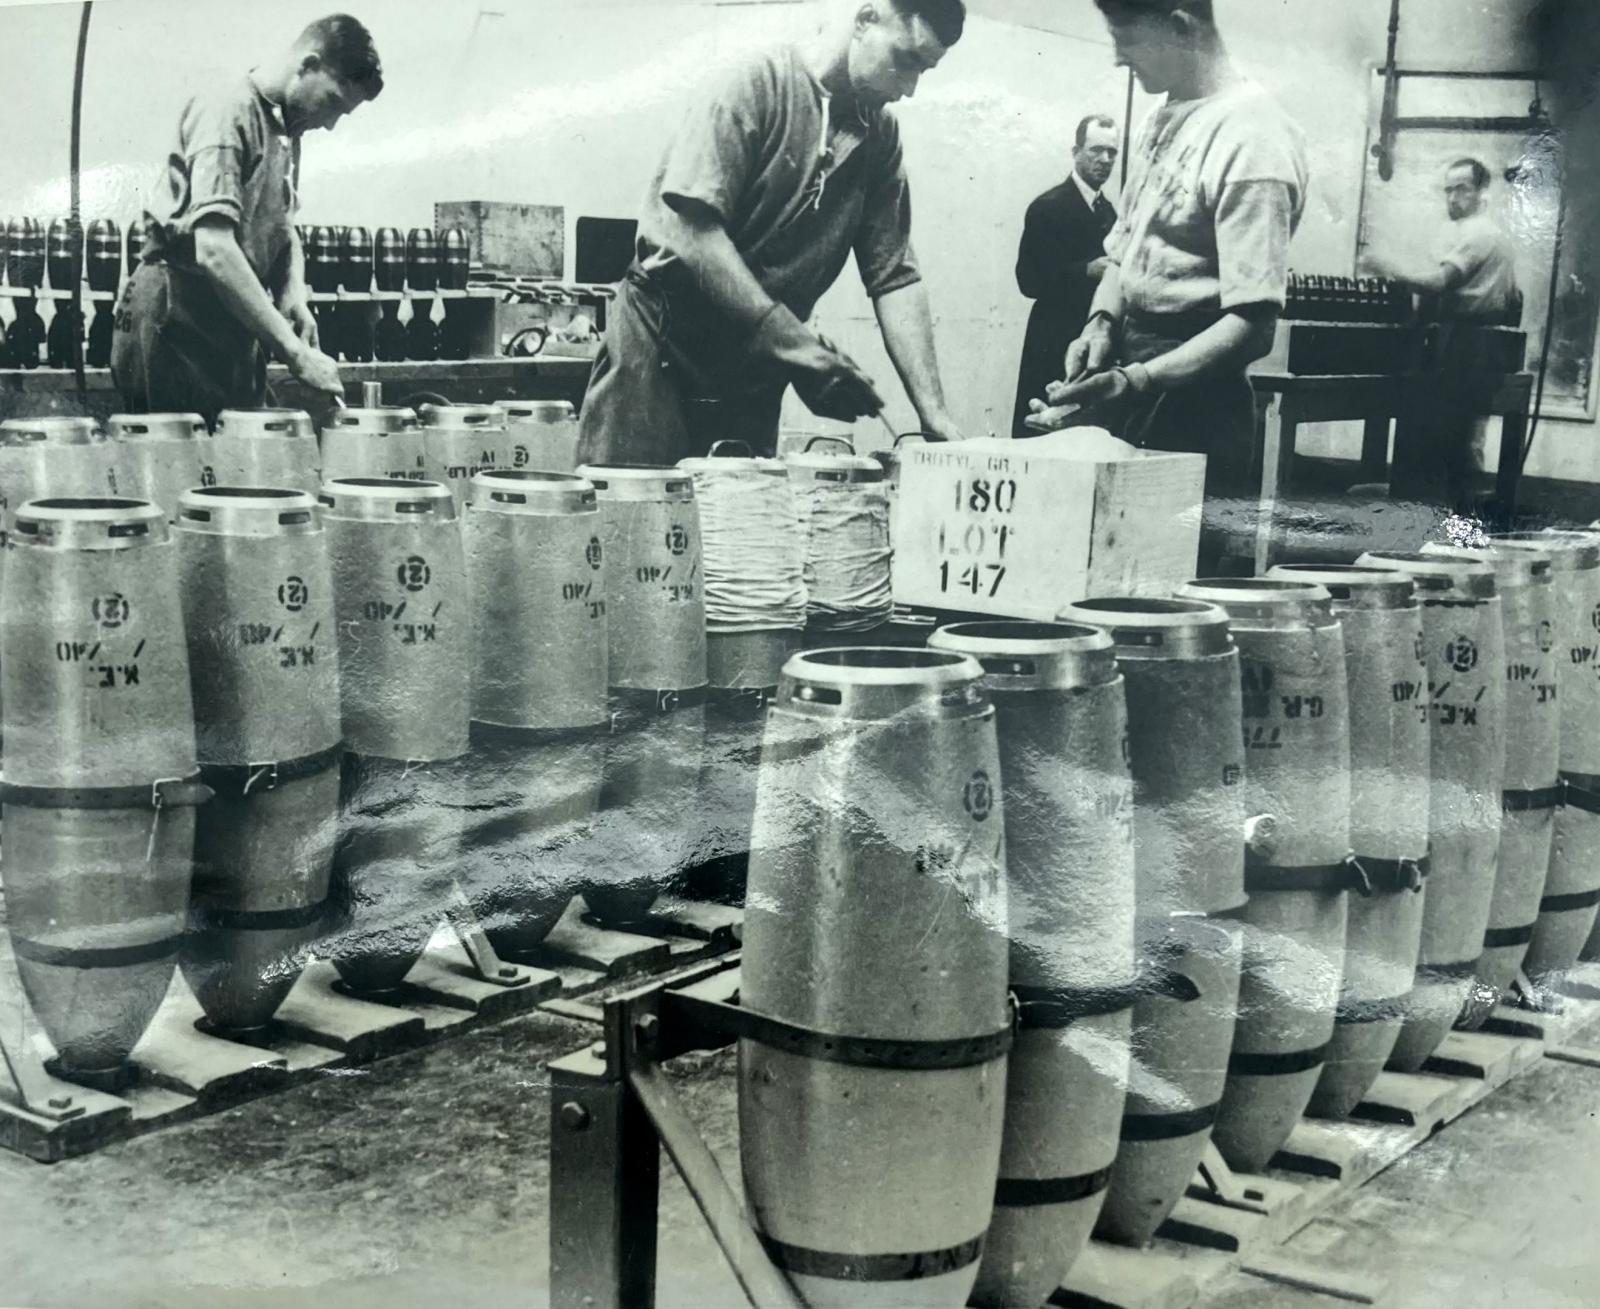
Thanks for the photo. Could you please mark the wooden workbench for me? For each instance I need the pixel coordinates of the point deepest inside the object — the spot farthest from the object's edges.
(1284, 401)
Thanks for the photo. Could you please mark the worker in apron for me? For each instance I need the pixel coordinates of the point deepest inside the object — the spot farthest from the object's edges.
(771, 184)
(220, 282)
(1199, 266)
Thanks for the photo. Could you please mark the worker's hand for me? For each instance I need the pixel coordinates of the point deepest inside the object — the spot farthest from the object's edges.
(304, 322)
(833, 387)
(1097, 268)
(316, 370)
(1096, 389)
(1047, 418)
(941, 427)
(824, 377)
(1092, 351)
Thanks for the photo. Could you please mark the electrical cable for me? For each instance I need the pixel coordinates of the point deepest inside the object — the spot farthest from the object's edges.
(1549, 327)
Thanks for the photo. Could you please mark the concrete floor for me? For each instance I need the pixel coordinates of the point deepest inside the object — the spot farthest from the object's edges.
(422, 1181)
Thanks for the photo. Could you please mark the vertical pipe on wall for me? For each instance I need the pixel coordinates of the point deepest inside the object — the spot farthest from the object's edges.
(75, 223)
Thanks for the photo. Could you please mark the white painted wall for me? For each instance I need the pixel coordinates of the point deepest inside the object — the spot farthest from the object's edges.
(571, 101)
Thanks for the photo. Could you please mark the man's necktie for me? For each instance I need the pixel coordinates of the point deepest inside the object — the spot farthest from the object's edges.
(1104, 215)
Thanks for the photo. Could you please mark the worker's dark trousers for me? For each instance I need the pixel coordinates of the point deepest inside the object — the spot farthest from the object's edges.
(175, 349)
(647, 403)
(1433, 458)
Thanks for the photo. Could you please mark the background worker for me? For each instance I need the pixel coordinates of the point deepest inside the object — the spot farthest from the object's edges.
(222, 275)
(770, 185)
(1062, 258)
(1199, 261)
(1439, 443)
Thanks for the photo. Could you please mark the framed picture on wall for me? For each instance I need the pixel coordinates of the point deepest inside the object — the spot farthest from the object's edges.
(1404, 220)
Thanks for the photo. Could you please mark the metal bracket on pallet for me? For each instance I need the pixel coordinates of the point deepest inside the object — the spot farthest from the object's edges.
(611, 1110)
(1217, 1183)
(40, 1094)
(489, 966)
(1530, 995)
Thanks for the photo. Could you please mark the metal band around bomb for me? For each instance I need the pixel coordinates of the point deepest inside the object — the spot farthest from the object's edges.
(1527, 801)
(1169, 1126)
(1499, 938)
(217, 919)
(1346, 875)
(826, 1264)
(253, 778)
(1581, 791)
(1561, 904)
(1394, 875)
(631, 708)
(1043, 1007)
(518, 738)
(1060, 1006)
(1035, 1192)
(1247, 1063)
(1390, 1008)
(163, 793)
(1436, 974)
(856, 1051)
(111, 956)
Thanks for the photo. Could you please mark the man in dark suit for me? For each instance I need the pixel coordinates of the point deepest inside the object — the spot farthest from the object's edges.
(1061, 259)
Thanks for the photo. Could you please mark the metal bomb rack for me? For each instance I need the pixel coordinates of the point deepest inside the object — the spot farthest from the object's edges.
(613, 1109)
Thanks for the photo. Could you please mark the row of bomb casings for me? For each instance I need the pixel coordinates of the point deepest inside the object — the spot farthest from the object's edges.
(351, 259)
(568, 721)
(1273, 835)
(1297, 741)
(337, 258)
(224, 689)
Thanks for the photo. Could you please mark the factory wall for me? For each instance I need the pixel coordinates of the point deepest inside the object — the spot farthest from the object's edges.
(570, 101)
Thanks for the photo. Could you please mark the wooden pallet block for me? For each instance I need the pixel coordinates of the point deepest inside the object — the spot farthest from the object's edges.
(105, 1118)
(316, 1011)
(182, 1072)
(576, 942)
(445, 977)
(1164, 1275)
(176, 1055)
(696, 920)
(1322, 1162)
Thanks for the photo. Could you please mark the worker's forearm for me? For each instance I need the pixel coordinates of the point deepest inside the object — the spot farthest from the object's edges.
(907, 326)
(241, 292)
(294, 280)
(1108, 295)
(1227, 346)
(1428, 281)
(720, 273)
